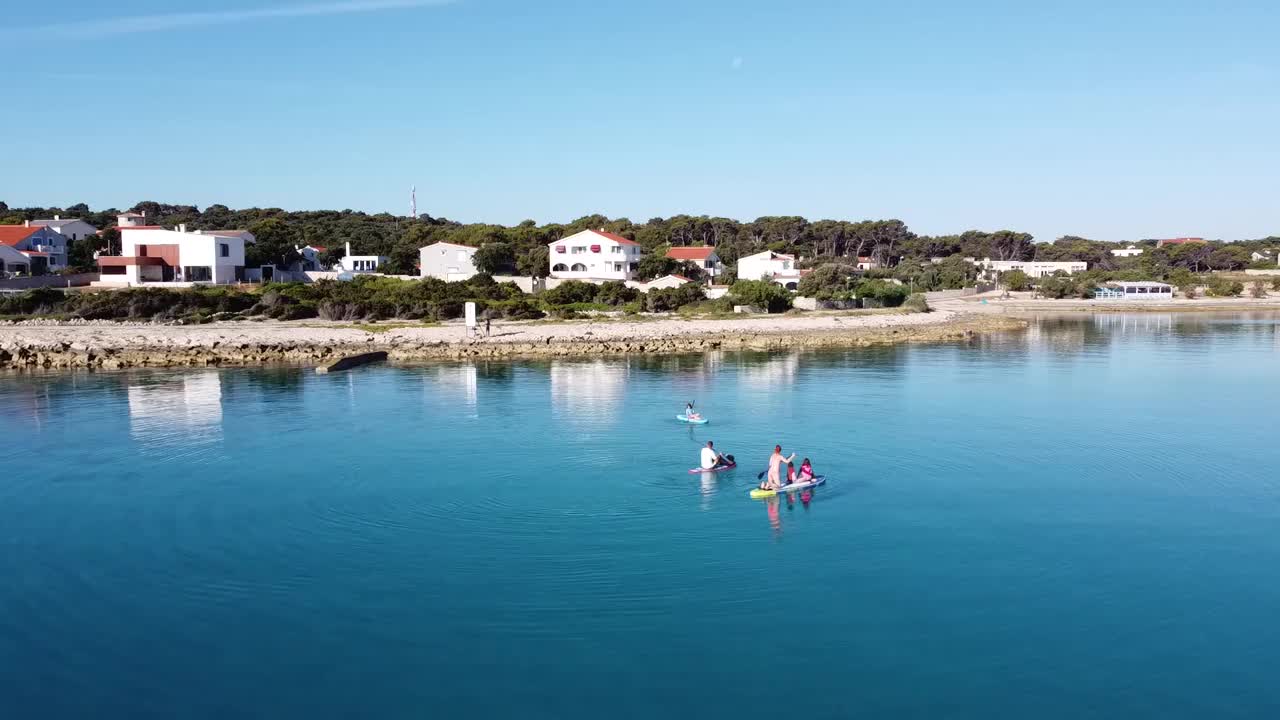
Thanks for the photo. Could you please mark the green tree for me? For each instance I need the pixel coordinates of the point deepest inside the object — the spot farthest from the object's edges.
(495, 258)
(535, 262)
(828, 281)
(1015, 280)
(616, 292)
(275, 245)
(760, 293)
(654, 265)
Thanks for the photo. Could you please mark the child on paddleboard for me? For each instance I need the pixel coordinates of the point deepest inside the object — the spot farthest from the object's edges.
(689, 412)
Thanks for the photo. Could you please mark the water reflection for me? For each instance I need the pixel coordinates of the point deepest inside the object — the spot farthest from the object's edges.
(183, 410)
(587, 392)
(454, 381)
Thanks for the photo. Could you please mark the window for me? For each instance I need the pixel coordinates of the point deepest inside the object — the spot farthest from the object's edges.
(224, 250)
(616, 249)
(578, 249)
(559, 267)
(199, 273)
(786, 264)
(1131, 290)
(462, 256)
(709, 264)
(578, 267)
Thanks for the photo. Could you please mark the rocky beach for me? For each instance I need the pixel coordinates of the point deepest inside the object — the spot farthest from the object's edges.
(50, 345)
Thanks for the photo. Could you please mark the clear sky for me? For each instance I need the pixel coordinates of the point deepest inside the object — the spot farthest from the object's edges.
(1111, 120)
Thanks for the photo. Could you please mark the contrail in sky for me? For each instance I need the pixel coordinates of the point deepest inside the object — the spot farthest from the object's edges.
(175, 21)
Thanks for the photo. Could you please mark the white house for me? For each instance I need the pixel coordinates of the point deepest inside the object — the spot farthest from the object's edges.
(13, 261)
(155, 255)
(131, 219)
(769, 265)
(360, 263)
(1031, 268)
(43, 247)
(72, 229)
(1145, 290)
(594, 255)
(1256, 256)
(704, 257)
(1131, 251)
(447, 261)
(310, 258)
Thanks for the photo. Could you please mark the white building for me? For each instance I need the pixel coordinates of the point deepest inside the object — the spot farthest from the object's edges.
(1146, 290)
(1131, 251)
(131, 219)
(1033, 269)
(770, 265)
(155, 255)
(704, 257)
(360, 263)
(311, 258)
(447, 261)
(43, 247)
(72, 229)
(594, 255)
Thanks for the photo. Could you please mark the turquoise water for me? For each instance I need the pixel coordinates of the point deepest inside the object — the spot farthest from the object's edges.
(1078, 521)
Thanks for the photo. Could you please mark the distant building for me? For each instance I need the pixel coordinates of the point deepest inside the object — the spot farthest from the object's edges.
(1134, 291)
(72, 229)
(361, 263)
(151, 254)
(1256, 256)
(44, 248)
(131, 219)
(867, 263)
(448, 261)
(1033, 269)
(1181, 241)
(666, 281)
(594, 255)
(12, 261)
(311, 255)
(769, 265)
(704, 257)
(1131, 251)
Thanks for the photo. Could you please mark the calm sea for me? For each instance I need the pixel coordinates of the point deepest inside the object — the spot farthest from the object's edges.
(1082, 520)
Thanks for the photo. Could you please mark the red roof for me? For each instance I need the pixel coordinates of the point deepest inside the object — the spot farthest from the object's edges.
(14, 234)
(680, 277)
(690, 253)
(1182, 240)
(33, 252)
(139, 227)
(317, 247)
(615, 238)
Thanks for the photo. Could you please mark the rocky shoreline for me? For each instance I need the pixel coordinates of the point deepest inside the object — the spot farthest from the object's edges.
(234, 344)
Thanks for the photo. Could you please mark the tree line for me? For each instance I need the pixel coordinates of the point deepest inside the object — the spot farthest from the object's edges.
(522, 248)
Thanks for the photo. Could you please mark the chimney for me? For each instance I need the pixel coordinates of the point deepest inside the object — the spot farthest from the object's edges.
(348, 249)
(57, 217)
(26, 223)
(182, 227)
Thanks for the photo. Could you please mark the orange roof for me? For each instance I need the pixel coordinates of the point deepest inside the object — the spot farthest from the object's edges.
(14, 234)
(615, 238)
(690, 253)
(34, 252)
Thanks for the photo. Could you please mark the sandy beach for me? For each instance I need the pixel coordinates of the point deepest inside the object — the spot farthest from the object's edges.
(118, 345)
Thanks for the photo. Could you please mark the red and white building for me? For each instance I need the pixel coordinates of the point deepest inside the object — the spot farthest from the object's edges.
(42, 248)
(152, 254)
(1181, 241)
(594, 255)
(704, 257)
(769, 265)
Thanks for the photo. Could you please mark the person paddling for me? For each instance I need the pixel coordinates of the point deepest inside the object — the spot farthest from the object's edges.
(712, 459)
(689, 413)
(775, 463)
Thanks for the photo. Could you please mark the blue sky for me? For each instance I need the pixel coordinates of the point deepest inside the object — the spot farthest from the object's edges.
(1103, 119)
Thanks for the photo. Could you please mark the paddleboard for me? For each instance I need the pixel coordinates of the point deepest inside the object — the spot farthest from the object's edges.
(758, 493)
(722, 468)
(685, 418)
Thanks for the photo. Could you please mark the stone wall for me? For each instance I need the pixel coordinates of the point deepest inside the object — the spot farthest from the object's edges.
(42, 281)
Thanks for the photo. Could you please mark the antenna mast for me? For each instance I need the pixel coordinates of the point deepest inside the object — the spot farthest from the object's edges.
(413, 202)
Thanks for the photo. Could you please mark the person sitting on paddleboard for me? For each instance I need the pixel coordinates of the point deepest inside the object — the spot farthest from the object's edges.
(775, 463)
(712, 459)
(806, 472)
(689, 413)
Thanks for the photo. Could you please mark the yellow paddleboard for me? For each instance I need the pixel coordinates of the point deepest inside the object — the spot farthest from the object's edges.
(758, 493)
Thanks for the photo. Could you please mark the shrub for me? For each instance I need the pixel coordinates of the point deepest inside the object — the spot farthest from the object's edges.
(705, 307)
(40, 301)
(1015, 280)
(1275, 283)
(829, 282)
(1258, 289)
(760, 293)
(916, 302)
(616, 292)
(1058, 287)
(1220, 286)
(634, 307)
(570, 292)
(669, 299)
(881, 293)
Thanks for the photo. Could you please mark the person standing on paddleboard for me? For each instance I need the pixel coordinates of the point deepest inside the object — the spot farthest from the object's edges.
(712, 459)
(775, 463)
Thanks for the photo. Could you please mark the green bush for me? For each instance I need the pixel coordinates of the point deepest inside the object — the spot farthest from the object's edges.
(708, 307)
(570, 292)
(1258, 289)
(1275, 283)
(880, 293)
(916, 302)
(1220, 286)
(1058, 287)
(670, 299)
(760, 293)
(829, 282)
(1015, 280)
(615, 292)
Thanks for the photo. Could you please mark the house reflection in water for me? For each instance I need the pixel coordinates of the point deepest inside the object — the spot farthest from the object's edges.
(181, 409)
(588, 392)
(456, 382)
